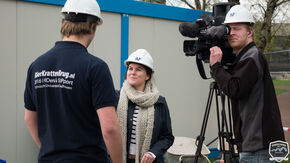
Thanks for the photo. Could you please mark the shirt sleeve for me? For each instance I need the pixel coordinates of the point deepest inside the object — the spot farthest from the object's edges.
(166, 138)
(238, 83)
(152, 154)
(28, 93)
(103, 91)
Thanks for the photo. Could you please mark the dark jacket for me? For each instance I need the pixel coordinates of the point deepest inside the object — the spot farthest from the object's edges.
(256, 115)
(162, 137)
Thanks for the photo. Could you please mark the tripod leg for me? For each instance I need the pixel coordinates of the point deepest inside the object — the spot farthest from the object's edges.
(200, 138)
(220, 127)
(228, 133)
(223, 129)
(231, 140)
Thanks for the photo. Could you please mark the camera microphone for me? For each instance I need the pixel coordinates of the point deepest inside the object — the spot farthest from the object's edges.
(189, 29)
(217, 32)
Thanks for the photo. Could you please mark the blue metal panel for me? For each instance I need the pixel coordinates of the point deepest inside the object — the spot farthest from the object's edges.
(132, 7)
(150, 10)
(124, 44)
(52, 2)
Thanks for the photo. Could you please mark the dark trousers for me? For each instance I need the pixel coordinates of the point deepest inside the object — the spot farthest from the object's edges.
(130, 160)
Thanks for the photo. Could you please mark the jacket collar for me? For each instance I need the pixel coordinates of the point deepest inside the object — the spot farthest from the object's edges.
(161, 100)
(243, 51)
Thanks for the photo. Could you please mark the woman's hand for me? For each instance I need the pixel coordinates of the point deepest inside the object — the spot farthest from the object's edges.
(147, 158)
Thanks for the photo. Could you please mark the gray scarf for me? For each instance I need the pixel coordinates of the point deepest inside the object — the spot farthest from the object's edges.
(145, 120)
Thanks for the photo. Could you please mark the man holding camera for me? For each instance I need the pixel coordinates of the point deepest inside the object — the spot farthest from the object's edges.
(256, 115)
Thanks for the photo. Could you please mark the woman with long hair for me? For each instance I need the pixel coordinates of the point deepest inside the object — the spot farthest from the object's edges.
(143, 114)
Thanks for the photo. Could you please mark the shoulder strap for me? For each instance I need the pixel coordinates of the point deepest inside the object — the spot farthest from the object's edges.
(200, 68)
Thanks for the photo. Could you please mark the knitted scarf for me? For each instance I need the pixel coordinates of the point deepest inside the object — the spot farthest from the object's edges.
(145, 120)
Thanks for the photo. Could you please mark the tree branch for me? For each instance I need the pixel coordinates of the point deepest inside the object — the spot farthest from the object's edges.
(282, 2)
(188, 4)
(197, 4)
(170, 2)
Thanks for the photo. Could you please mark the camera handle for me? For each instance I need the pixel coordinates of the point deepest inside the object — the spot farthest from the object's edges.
(222, 135)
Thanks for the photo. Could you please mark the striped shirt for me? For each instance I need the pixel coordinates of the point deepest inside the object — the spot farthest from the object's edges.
(132, 148)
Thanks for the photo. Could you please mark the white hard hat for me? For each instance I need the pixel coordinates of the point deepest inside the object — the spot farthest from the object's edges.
(141, 56)
(239, 14)
(89, 7)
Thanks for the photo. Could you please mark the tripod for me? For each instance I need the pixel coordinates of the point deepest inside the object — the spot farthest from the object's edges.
(224, 130)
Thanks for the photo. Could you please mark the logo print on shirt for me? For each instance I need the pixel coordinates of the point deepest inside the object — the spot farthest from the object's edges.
(53, 79)
(137, 59)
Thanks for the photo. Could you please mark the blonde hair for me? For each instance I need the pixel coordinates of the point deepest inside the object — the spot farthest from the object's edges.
(69, 28)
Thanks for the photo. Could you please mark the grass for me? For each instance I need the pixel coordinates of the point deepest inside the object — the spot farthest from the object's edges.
(288, 161)
(281, 83)
(279, 90)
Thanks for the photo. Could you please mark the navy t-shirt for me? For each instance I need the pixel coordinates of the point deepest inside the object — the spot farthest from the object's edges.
(65, 86)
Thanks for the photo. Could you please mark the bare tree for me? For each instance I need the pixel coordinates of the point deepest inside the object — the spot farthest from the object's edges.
(198, 4)
(235, 1)
(156, 1)
(263, 28)
(206, 4)
(265, 32)
(188, 4)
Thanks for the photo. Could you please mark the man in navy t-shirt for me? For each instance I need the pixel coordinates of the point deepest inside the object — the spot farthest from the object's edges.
(69, 95)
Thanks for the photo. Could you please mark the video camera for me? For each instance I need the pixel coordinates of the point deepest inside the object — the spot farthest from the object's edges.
(210, 32)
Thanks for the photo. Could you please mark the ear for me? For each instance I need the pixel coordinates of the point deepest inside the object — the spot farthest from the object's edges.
(147, 77)
(251, 32)
(93, 28)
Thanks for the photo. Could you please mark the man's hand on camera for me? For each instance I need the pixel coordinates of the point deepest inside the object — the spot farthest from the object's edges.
(216, 55)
